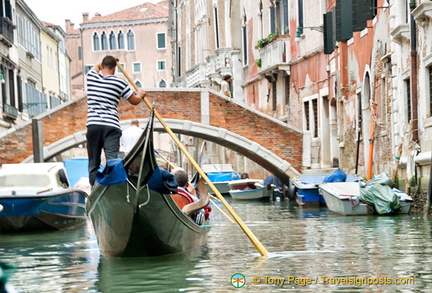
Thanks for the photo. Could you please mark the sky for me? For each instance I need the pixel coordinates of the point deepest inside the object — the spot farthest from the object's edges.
(57, 11)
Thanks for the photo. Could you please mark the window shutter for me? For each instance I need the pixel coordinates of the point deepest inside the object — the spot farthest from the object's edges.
(344, 25)
(329, 41)
(361, 12)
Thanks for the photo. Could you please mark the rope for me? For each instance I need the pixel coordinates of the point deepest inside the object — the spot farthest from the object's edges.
(148, 199)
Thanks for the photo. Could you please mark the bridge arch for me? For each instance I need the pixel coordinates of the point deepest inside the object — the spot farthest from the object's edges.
(250, 149)
(203, 113)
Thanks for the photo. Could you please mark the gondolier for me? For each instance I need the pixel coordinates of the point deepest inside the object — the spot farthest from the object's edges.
(104, 91)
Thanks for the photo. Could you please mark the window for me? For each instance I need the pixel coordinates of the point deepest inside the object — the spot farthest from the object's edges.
(300, 16)
(96, 44)
(216, 25)
(307, 116)
(179, 61)
(272, 19)
(287, 93)
(123, 66)
(162, 83)
(383, 102)
(87, 68)
(161, 65)
(430, 90)
(311, 116)
(408, 98)
(120, 38)
(244, 45)
(113, 41)
(138, 84)
(284, 17)
(161, 44)
(104, 41)
(315, 117)
(79, 53)
(131, 40)
(137, 67)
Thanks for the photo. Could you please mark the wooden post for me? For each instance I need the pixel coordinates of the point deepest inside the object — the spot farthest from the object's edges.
(37, 136)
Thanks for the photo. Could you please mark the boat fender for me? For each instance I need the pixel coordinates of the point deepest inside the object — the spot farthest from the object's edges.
(199, 218)
(1, 208)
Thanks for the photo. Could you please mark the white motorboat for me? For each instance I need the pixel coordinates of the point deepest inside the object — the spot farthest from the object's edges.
(344, 198)
(38, 196)
(249, 189)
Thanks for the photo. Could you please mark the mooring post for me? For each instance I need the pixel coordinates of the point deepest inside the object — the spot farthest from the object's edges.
(37, 136)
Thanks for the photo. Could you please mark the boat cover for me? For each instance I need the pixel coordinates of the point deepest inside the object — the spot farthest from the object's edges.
(336, 176)
(378, 192)
(113, 173)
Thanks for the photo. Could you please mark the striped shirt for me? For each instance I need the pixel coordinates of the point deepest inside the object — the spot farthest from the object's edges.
(103, 96)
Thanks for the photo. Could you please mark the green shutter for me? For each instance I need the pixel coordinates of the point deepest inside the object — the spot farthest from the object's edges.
(344, 25)
(361, 12)
(329, 40)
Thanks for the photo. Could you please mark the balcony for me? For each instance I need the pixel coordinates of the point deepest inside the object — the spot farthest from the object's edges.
(274, 55)
(401, 33)
(423, 13)
(10, 111)
(196, 76)
(6, 31)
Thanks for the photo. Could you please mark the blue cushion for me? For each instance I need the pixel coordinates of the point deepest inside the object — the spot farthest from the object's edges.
(113, 173)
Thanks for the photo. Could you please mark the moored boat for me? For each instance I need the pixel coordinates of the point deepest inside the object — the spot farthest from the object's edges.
(306, 188)
(37, 197)
(130, 219)
(345, 198)
(249, 189)
(220, 175)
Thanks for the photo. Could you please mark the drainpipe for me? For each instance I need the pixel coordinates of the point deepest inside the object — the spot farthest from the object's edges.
(414, 74)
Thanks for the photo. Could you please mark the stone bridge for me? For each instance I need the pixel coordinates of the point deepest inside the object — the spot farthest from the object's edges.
(200, 113)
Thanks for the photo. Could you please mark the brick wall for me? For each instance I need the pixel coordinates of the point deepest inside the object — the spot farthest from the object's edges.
(281, 140)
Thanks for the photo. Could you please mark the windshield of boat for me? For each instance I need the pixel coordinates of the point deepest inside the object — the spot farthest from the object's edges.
(20, 180)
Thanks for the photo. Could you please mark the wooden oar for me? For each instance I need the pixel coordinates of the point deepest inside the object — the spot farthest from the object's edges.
(217, 207)
(258, 245)
(166, 161)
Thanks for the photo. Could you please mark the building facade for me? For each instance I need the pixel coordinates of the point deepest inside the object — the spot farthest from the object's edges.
(137, 36)
(34, 69)
(355, 76)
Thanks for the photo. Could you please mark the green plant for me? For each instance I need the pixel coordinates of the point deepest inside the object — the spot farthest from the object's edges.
(259, 62)
(264, 42)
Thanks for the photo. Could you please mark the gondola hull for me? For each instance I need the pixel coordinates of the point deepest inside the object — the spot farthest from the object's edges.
(129, 219)
(155, 227)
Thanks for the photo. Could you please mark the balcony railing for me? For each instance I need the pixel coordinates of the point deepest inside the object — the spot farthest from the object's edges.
(6, 29)
(196, 75)
(10, 111)
(274, 54)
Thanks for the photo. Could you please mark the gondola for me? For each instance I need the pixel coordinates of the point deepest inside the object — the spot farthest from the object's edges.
(130, 219)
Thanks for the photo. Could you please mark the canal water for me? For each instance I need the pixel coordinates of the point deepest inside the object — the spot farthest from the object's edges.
(310, 250)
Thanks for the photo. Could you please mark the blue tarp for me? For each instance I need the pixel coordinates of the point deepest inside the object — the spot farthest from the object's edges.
(273, 180)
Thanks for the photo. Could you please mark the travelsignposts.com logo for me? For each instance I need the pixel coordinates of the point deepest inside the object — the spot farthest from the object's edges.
(238, 280)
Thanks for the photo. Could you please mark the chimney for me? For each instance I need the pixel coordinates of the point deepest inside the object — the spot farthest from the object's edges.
(97, 14)
(68, 25)
(85, 16)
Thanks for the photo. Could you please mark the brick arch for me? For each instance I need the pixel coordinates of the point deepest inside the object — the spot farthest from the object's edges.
(227, 122)
(244, 146)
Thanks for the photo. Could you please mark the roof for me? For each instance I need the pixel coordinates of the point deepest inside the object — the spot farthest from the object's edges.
(143, 11)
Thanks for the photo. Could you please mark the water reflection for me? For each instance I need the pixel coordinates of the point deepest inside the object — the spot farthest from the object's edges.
(303, 243)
